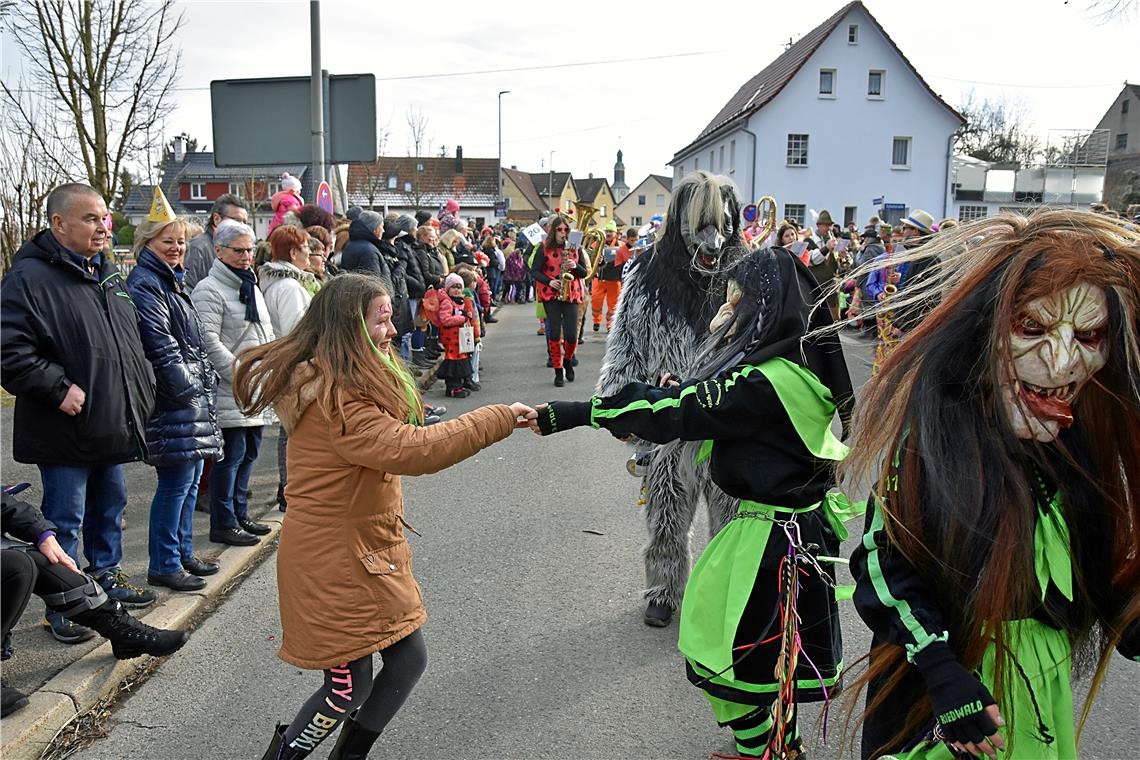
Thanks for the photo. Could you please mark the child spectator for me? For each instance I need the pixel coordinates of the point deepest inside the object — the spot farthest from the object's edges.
(470, 287)
(455, 313)
(514, 275)
(287, 199)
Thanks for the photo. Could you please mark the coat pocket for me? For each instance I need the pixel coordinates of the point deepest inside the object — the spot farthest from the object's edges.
(387, 560)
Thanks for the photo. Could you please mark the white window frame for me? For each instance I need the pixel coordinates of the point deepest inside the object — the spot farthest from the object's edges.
(909, 150)
(882, 84)
(722, 159)
(834, 82)
(236, 188)
(732, 155)
(641, 200)
(806, 147)
(797, 211)
(660, 200)
(712, 160)
(970, 212)
(696, 163)
(272, 188)
(407, 186)
(852, 34)
(602, 210)
(636, 220)
(393, 181)
(197, 191)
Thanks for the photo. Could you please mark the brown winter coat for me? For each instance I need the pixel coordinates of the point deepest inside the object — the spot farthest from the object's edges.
(344, 567)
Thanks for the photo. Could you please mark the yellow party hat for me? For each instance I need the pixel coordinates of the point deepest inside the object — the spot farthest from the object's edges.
(160, 210)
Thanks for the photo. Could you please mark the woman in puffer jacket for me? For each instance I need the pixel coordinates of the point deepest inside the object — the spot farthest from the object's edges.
(182, 432)
(288, 290)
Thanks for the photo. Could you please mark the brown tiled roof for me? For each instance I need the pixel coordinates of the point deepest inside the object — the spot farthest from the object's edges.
(525, 185)
(477, 185)
(762, 88)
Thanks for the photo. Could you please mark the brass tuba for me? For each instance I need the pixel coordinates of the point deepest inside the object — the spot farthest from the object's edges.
(765, 208)
(593, 240)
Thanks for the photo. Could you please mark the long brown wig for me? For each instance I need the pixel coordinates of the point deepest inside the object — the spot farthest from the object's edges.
(330, 346)
(964, 510)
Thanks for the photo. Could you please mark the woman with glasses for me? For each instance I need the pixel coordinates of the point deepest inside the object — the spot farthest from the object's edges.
(561, 308)
(234, 316)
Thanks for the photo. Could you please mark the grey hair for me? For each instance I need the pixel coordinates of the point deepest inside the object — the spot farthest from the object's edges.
(705, 202)
(223, 202)
(229, 231)
(61, 199)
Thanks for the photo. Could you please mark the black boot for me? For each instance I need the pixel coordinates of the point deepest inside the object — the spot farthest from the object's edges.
(353, 742)
(558, 381)
(129, 637)
(277, 749)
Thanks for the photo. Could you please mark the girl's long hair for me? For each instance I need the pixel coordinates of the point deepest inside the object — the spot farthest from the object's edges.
(964, 512)
(329, 346)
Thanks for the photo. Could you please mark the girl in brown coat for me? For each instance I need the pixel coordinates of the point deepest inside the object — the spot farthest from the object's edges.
(352, 413)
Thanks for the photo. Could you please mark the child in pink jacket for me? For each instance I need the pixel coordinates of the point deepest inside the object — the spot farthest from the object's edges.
(287, 199)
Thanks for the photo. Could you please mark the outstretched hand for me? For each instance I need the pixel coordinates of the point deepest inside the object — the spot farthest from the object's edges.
(524, 415)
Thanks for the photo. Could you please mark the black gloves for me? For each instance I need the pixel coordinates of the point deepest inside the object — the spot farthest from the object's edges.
(959, 698)
(558, 416)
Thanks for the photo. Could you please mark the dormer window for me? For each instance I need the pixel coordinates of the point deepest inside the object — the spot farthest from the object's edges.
(853, 34)
(392, 180)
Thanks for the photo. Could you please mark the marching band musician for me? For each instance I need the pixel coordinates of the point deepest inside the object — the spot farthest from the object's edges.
(558, 273)
(607, 285)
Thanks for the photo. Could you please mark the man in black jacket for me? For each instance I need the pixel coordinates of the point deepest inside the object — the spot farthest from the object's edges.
(43, 567)
(70, 353)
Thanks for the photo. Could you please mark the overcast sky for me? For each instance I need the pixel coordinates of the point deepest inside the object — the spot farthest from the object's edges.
(1057, 59)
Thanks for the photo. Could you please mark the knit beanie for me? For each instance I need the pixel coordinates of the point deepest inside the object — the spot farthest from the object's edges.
(406, 223)
(353, 212)
(422, 217)
(452, 279)
(452, 206)
(370, 219)
(289, 182)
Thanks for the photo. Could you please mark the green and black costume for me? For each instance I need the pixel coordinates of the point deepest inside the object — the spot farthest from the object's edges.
(767, 421)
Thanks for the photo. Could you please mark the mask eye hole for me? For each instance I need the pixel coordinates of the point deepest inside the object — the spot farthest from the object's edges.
(1030, 327)
(1091, 338)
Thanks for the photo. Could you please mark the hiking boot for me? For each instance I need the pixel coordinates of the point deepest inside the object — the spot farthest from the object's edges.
(558, 381)
(118, 587)
(278, 749)
(11, 700)
(570, 372)
(130, 637)
(597, 327)
(658, 615)
(65, 631)
(353, 742)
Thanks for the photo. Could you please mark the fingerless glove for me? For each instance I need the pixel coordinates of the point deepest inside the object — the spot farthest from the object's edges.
(559, 416)
(959, 698)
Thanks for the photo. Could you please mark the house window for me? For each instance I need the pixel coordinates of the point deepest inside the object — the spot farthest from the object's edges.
(795, 211)
(237, 189)
(697, 164)
(732, 154)
(197, 191)
(797, 150)
(635, 220)
(419, 167)
(722, 158)
(602, 210)
(853, 34)
(272, 188)
(970, 213)
(660, 200)
(850, 214)
(827, 83)
(407, 186)
(1124, 106)
(641, 200)
(392, 181)
(1122, 141)
(900, 153)
(712, 161)
(875, 83)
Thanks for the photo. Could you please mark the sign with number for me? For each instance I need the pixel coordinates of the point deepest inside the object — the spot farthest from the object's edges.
(749, 212)
(324, 197)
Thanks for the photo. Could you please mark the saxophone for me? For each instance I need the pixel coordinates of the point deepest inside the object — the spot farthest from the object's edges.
(884, 322)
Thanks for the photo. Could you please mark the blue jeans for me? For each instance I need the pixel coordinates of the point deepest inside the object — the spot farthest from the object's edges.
(91, 498)
(229, 479)
(172, 517)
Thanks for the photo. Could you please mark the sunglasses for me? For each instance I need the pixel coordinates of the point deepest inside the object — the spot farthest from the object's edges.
(562, 229)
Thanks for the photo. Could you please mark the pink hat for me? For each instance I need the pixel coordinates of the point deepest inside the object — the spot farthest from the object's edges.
(452, 279)
(452, 205)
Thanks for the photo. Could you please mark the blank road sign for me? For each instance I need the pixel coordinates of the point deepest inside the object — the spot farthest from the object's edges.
(259, 122)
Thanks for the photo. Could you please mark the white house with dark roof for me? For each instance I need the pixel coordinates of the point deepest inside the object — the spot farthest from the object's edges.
(841, 121)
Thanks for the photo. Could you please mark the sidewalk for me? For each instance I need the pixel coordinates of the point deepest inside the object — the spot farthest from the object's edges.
(62, 680)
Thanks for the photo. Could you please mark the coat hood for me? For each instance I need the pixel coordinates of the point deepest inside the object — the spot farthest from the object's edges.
(305, 390)
(282, 270)
(358, 230)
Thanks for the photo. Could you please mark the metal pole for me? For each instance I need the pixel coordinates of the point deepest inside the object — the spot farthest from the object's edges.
(316, 93)
(550, 187)
(499, 193)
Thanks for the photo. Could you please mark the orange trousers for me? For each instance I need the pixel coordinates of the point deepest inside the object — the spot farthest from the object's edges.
(607, 292)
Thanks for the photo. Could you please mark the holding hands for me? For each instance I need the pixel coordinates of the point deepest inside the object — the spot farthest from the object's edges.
(524, 415)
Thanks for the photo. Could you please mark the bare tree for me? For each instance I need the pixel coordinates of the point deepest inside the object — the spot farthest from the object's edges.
(996, 131)
(106, 69)
(417, 131)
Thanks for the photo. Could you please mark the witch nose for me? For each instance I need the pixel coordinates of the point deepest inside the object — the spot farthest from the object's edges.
(1065, 353)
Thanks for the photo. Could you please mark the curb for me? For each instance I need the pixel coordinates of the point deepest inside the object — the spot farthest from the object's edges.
(80, 685)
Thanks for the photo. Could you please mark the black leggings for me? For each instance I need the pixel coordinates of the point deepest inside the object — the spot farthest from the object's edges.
(561, 321)
(25, 571)
(350, 687)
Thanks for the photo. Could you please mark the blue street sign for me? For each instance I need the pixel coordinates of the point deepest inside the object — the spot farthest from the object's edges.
(877, 201)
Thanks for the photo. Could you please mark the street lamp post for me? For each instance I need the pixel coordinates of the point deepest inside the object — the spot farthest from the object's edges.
(499, 194)
(550, 186)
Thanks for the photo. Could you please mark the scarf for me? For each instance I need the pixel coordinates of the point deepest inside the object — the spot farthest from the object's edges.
(247, 293)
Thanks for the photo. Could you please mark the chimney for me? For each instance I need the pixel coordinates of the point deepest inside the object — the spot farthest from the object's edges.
(514, 167)
(590, 175)
(179, 149)
(458, 159)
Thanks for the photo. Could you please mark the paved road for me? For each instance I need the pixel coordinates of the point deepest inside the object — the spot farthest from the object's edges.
(536, 643)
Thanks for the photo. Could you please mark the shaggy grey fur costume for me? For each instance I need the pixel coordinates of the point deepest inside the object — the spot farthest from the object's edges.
(662, 320)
